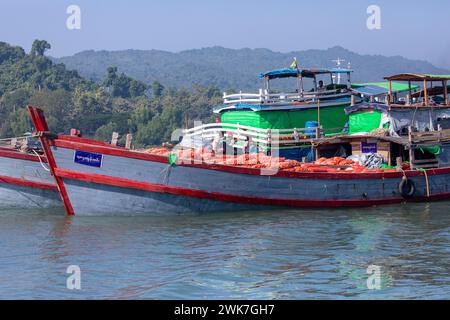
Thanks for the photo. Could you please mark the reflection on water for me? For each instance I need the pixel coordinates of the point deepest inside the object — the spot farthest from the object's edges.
(291, 254)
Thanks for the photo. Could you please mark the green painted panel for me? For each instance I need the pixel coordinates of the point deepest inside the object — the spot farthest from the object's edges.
(365, 121)
(330, 117)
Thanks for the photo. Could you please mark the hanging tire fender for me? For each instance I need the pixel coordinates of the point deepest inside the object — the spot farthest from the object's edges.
(406, 187)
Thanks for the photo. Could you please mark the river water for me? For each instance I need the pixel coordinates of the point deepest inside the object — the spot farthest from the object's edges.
(287, 254)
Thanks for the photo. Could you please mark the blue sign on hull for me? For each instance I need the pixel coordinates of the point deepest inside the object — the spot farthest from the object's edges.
(88, 158)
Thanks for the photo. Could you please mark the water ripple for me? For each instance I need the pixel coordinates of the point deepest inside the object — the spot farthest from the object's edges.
(290, 254)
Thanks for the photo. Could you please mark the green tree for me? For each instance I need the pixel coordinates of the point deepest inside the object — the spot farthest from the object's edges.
(122, 85)
(10, 54)
(157, 89)
(13, 100)
(111, 77)
(137, 88)
(20, 122)
(38, 47)
(56, 104)
(104, 133)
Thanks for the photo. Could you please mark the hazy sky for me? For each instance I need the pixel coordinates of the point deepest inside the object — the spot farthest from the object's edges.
(411, 28)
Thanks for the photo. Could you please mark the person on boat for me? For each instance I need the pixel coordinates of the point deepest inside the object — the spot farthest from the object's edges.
(321, 87)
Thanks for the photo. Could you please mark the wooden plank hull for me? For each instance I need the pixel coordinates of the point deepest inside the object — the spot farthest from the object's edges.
(127, 182)
(94, 178)
(19, 197)
(24, 184)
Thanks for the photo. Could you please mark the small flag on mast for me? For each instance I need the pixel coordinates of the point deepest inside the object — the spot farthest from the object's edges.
(294, 64)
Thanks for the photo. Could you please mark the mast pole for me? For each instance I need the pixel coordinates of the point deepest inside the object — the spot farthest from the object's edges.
(425, 92)
(390, 93)
(266, 80)
(409, 93)
(445, 92)
(302, 89)
(318, 113)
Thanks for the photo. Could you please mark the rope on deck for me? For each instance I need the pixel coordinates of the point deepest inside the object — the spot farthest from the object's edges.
(427, 182)
(40, 160)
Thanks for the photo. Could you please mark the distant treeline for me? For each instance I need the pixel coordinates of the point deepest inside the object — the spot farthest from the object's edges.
(233, 68)
(118, 102)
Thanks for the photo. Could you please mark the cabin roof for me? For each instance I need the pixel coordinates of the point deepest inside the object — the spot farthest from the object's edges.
(307, 73)
(418, 77)
(380, 88)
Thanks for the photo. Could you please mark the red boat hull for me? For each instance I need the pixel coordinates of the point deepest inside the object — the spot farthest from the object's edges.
(101, 179)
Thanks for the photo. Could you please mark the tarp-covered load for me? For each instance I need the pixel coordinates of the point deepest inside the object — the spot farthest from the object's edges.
(422, 119)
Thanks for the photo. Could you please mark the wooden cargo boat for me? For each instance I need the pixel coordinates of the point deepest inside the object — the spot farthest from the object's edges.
(24, 183)
(97, 178)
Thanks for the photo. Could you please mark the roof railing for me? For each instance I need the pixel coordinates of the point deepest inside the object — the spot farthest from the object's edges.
(263, 96)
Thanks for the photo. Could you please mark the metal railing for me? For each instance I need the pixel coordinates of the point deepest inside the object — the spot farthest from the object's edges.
(265, 137)
(264, 97)
(12, 142)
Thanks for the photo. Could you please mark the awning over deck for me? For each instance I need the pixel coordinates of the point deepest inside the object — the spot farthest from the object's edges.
(380, 88)
(418, 77)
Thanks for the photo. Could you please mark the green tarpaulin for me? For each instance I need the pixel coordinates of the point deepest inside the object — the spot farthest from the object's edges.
(330, 118)
(364, 121)
(431, 149)
(172, 158)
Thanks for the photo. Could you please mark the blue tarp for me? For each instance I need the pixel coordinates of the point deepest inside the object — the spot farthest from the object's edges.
(371, 90)
(281, 73)
(285, 73)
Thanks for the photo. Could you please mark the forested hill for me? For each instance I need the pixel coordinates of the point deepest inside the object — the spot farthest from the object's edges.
(116, 103)
(229, 68)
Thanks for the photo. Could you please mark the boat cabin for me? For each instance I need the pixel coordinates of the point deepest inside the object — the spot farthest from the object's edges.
(317, 76)
(298, 108)
(311, 84)
(415, 129)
